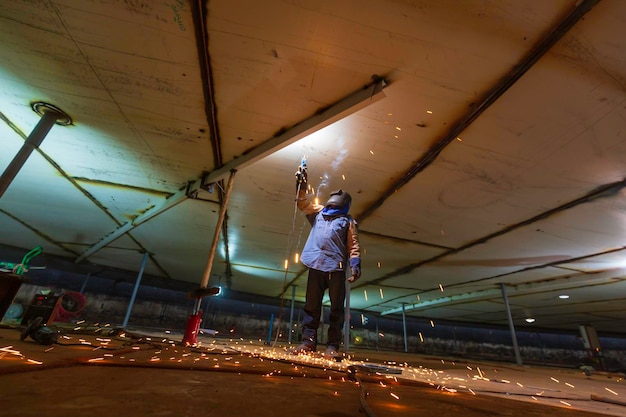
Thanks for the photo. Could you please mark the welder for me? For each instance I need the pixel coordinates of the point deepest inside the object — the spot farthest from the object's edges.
(330, 250)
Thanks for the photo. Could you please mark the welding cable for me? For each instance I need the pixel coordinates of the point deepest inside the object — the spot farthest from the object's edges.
(288, 253)
(352, 376)
(132, 339)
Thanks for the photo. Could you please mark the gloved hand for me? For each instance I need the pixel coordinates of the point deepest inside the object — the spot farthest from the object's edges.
(355, 269)
(301, 178)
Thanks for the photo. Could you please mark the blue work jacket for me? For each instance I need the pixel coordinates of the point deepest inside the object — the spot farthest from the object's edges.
(332, 240)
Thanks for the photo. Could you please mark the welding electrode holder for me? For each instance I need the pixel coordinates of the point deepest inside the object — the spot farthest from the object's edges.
(301, 176)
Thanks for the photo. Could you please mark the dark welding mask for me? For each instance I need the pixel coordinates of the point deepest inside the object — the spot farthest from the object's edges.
(339, 198)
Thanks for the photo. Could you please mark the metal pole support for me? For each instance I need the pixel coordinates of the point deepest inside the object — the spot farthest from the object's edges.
(518, 357)
(346, 319)
(406, 342)
(135, 290)
(293, 302)
(218, 230)
(49, 116)
(194, 320)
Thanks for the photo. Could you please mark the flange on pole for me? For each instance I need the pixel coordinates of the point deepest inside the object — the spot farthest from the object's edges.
(50, 115)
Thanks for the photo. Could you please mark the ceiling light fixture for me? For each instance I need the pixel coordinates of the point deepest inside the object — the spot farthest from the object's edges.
(563, 296)
(530, 320)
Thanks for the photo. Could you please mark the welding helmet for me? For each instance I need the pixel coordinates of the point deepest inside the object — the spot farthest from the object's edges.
(339, 198)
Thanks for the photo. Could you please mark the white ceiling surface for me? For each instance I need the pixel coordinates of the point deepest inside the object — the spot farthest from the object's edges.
(501, 204)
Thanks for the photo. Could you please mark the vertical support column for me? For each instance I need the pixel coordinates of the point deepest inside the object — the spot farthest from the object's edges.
(456, 343)
(406, 342)
(49, 116)
(377, 334)
(218, 231)
(193, 321)
(137, 282)
(518, 357)
(293, 301)
(82, 288)
(591, 341)
(269, 331)
(346, 319)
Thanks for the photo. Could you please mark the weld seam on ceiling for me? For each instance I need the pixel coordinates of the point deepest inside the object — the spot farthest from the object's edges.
(487, 100)
(165, 194)
(552, 264)
(399, 239)
(12, 125)
(37, 231)
(604, 191)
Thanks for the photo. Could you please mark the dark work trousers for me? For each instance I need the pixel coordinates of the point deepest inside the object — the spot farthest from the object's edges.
(316, 285)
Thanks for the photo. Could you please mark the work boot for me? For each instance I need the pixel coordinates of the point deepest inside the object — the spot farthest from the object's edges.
(331, 352)
(301, 349)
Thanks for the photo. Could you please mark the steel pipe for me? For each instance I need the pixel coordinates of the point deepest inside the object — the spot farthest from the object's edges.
(518, 357)
(136, 289)
(48, 119)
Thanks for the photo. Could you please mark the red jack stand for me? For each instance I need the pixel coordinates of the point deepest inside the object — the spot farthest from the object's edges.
(191, 330)
(193, 322)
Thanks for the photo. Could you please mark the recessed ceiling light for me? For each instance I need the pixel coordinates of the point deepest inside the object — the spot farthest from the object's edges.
(563, 296)
(530, 320)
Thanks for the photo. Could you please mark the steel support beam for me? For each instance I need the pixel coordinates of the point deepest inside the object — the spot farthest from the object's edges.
(570, 281)
(345, 107)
